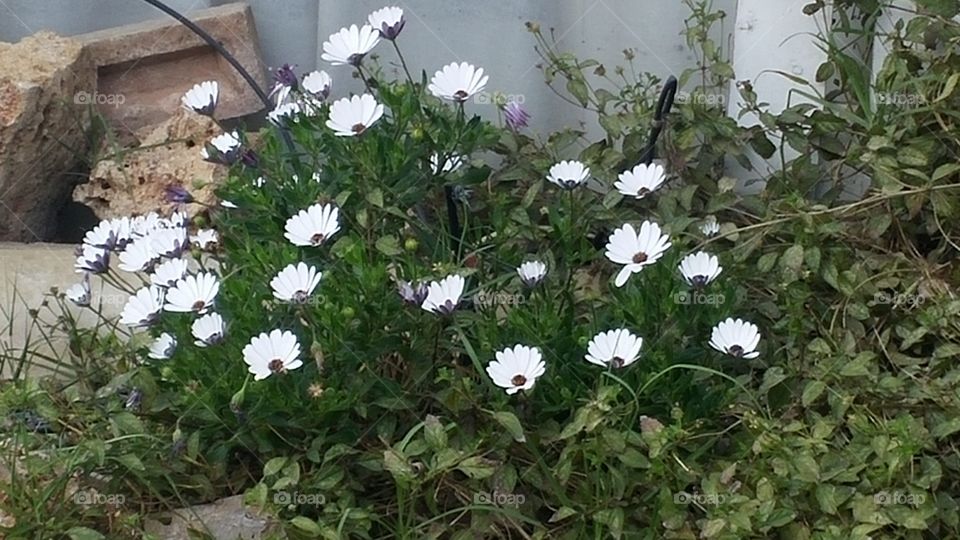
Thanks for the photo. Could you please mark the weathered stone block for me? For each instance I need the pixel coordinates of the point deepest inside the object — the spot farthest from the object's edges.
(145, 68)
(42, 133)
(135, 181)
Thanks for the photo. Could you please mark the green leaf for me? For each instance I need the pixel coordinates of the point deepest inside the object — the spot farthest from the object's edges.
(767, 262)
(125, 423)
(274, 466)
(307, 525)
(511, 423)
(713, 528)
(83, 533)
(398, 466)
(811, 392)
(562, 513)
(634, 459)
(434, 432)
(389, 246)
(771, 378)
(578, 89)
(131, 462)
(375, 197)
(613, 519)
(477, 467)
(792, 258)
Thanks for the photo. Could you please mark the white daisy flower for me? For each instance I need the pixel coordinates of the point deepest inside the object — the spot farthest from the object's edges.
(457, 82)
(93, 260)
(123, 232)
(102, 236)
(223, 148)
(700, 268)
(636, 251)
(295, 283)
(79, 293)
(450, 164)
(141, 226)
(284, 113)
(532, 273)
(276, 352)
(353, 116)
(202, 98)
(193, 294)
(143, 308)
(737, 338)
(350, 45)
(317, 84)
(614, 348)
(140, 256)
(517, 368)
(208, 330)
(169, 273)
(169, 242)
(205, 239)
(569, 174)
(710, 226)
(163, 347)
(443, 296)
(412, 293)
(313, 226)
(641, 181)
(178, 220)
(388, 21)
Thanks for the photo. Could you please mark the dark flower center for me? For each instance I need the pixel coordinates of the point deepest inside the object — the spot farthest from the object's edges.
(199, 305)
(317, 239)
(358, 128)
(617, 362)
(735, 351)
(642, 192)
(699, 281)
(461, 95)
(518, 380)
(300, 297)
(640, 258)
(275, 365)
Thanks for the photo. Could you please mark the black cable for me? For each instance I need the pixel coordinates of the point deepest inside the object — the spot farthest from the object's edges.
(664, 104)
(218, 47)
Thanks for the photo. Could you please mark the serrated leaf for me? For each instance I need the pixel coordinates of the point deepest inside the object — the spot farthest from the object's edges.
(389, 246)
(434, 432)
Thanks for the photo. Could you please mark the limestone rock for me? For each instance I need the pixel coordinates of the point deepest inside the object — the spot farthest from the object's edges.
(134, 181)
(226, 519)
(42, 130)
